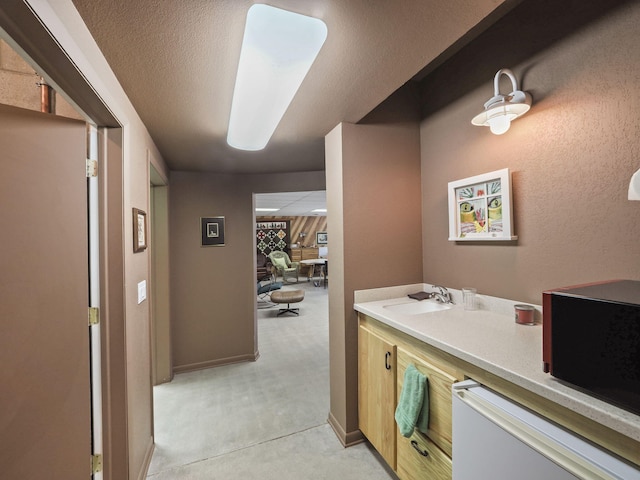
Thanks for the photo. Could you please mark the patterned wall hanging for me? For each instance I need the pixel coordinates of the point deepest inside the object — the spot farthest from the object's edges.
(272, 235)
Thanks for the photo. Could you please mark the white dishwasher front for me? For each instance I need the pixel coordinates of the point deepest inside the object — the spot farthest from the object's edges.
(497, 439)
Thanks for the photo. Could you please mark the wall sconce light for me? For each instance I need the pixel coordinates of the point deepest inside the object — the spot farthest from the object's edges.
(500, 110)
(634, 186)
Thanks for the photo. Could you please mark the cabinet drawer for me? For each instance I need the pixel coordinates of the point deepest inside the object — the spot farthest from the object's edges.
(439, 397)
(420, 458)
(309, 253)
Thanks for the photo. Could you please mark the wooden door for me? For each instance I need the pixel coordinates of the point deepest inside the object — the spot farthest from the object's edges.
(377, 392)
(45, 403)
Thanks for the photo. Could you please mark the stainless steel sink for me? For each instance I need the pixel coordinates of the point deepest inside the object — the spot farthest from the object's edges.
(417, 308)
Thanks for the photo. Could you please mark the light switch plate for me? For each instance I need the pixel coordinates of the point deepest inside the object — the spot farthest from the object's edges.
(142, 291)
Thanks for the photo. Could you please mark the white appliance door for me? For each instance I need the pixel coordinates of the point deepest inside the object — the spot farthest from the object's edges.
(496, 439)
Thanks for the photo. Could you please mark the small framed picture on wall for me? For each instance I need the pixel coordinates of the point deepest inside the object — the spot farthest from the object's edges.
(139, 230)
(212, 231)
(321, 238)
(480, 208)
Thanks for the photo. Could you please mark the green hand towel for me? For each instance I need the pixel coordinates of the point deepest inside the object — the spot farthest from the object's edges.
(413, 407)
(423, 419)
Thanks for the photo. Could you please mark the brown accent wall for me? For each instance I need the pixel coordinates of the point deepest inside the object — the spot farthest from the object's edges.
(213, 308)
(308, 225)
(571, 158)
(207, 325)
(373, 203)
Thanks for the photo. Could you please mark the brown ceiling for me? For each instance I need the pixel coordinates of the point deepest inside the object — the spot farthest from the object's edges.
(176, 60)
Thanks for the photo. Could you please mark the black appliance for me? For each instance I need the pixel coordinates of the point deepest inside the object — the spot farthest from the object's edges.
(591, 339)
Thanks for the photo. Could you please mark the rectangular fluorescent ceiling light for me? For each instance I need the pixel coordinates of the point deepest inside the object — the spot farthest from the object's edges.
(267, 209)
(319, 210)
(278, 49)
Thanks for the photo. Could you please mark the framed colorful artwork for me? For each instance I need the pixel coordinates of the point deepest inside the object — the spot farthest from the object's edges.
(480, 208)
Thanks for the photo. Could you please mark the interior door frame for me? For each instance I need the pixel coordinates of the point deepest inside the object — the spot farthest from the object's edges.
(28, 35)
(161, 353)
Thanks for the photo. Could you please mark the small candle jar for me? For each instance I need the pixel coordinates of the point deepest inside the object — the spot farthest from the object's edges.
(525, 314)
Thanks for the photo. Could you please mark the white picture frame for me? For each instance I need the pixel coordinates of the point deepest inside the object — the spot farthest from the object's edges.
(480, 208)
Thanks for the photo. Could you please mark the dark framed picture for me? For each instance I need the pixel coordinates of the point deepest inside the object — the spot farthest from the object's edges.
(139, 230)
(321, 238)
(212, 231)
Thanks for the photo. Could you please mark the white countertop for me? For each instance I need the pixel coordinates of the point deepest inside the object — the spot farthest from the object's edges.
(490, 339)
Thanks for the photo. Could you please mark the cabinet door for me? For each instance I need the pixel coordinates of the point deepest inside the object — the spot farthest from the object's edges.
(377, 392)
(439, 432)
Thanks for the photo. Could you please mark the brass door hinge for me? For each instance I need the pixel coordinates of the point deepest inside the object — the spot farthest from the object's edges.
(94, 316)
(92, 168)
(96, 463)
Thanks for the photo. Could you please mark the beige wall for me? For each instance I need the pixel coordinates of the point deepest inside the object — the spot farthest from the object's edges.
(213, 308)
(571, 158)
(373, 203)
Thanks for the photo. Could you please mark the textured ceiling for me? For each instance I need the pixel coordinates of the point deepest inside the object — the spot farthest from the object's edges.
(176, 60)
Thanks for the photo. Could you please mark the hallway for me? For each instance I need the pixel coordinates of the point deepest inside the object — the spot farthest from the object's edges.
(264, 419)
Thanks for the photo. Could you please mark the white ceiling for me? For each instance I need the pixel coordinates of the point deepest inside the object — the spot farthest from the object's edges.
(292, 204)
(176, 60)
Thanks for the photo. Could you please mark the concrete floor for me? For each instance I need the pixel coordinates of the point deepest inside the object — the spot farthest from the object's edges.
(261, 420)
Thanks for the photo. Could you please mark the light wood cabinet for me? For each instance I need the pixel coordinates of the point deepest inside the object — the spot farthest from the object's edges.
(428, 455)
(381, 367)
(377, 392)
(442, 369)
(296, 254)
(304, 253)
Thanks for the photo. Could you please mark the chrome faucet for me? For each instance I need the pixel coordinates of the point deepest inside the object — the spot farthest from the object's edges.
(442, 296)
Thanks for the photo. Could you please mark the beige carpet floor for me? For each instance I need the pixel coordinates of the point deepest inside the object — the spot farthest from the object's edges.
(260, 420)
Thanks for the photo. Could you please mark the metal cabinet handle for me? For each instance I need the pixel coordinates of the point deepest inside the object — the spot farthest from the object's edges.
(386, 360)
(415, 445)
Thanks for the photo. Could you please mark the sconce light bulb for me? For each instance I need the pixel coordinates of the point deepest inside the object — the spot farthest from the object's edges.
(501, 109)
(499, 124)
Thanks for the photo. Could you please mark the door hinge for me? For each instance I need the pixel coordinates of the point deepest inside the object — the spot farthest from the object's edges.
(96, 463)
(94, 316)
(92, 168)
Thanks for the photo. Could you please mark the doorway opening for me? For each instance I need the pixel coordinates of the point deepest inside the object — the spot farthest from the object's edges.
(283, 395)
(161, 358)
